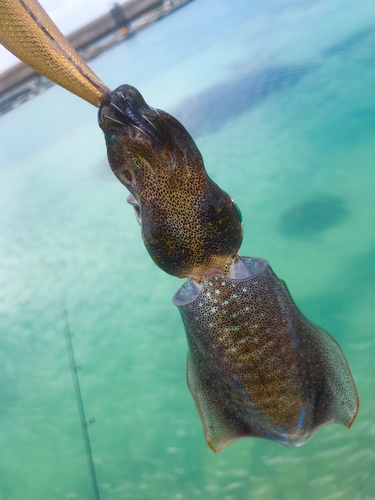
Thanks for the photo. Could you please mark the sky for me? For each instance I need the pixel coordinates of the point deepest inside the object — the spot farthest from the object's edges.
(68, 15)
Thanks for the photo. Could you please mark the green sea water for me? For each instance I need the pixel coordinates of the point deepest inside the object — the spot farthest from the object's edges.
(279, 96)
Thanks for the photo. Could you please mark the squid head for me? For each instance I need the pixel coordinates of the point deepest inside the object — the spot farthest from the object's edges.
(188, 223)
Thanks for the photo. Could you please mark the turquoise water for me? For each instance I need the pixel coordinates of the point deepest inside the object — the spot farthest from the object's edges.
(279, 96)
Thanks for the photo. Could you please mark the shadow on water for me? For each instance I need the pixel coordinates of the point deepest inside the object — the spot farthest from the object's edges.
(210, 109)
(350, 43)
(312, 217)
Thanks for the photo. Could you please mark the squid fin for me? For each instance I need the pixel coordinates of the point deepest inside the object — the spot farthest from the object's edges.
(222, 425)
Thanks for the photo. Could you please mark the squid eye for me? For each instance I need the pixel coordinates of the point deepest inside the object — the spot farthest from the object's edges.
(238, 210)
(127, 174)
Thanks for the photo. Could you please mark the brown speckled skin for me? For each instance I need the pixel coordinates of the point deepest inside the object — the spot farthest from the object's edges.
(258, 367)
(188, 223)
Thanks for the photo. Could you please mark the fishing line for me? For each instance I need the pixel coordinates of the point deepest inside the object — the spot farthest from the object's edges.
(81, 410)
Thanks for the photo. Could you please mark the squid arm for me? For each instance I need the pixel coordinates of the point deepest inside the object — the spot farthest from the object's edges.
(29, 33)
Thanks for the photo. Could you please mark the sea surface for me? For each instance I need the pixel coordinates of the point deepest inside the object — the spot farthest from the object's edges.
(279, 96)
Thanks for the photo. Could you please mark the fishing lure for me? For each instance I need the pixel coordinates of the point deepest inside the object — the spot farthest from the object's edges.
(256, 366)
(29, 33)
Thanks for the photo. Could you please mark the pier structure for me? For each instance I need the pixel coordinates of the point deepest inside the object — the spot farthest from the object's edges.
(20, 83)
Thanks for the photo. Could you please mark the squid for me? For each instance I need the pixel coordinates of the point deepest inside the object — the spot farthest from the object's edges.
(256, 366)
